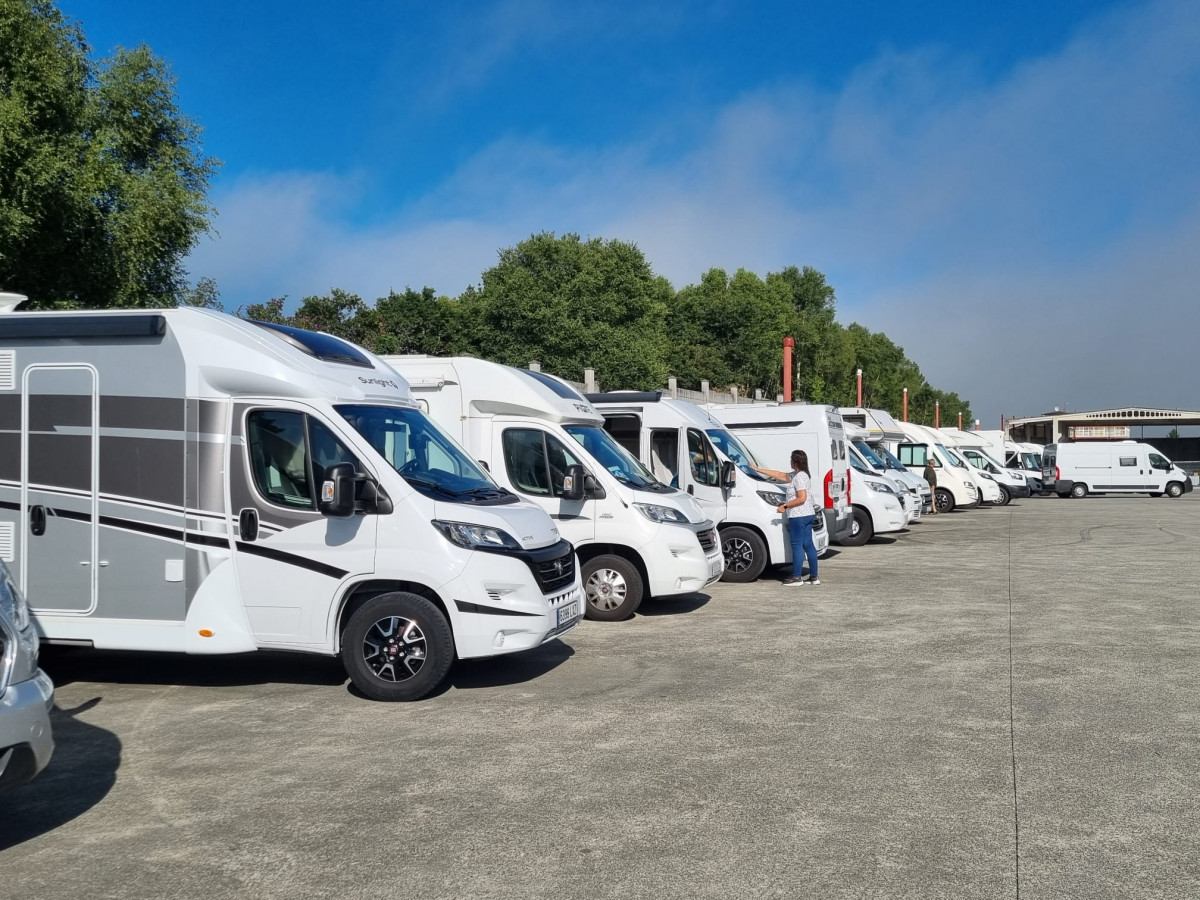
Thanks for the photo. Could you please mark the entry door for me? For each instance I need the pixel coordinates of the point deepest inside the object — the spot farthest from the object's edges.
(700, 474)
(59, 490)
(535, 466)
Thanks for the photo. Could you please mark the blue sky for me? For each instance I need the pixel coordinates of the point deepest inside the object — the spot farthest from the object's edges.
(1009, 190)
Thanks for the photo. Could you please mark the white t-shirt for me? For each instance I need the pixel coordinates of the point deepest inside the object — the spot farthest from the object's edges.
(800, 482)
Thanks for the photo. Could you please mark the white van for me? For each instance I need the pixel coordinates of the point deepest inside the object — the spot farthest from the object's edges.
(687, 448)
(974, 449)
(635, 536)
(1110, 467)
(878, 506)
(878, 429)
(955, 486)
(773, 431)
(908, 491)
(183, 480)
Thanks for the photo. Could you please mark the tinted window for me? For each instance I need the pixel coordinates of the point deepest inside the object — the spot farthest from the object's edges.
(1159, 462)
(323, 346)
(705, 468)
(913, 455)
(1129, 460)
(278, 457)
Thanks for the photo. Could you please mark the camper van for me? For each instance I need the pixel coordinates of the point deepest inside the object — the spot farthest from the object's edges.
(183, 480)
(543, 440)
(972, 447)
(955, 485)
(773, 431)
(1110, 467)
(879, 428)
(880, 505)
(687, 448)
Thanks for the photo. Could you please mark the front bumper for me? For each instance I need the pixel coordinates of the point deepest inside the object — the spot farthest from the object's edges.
(677, 562)
(26, 742)
(1017, 490)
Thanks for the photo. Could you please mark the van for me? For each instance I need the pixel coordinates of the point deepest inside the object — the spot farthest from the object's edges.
(879, 506)
(1110, 467)
(542, 439)
(974, 449)
(955, 485)
(183, 480)
(877, 429)
(772, 431)
(684, 446)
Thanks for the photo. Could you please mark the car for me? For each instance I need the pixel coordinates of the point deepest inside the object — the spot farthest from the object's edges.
(26, 692)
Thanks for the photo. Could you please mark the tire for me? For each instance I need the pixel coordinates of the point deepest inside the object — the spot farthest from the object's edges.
(1174, 490)
(1064, 494)
(1005, 496)
(745, 554)
(397, 647)
(944, 500)
(861, 529)
(612, 588)
(1079, 490)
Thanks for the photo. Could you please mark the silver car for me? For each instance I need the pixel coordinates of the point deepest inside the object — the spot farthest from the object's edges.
(26, 692)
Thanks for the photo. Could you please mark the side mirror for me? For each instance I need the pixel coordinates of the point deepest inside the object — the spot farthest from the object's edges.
(594, 489)
(728, 475)
(483, 465)
(574, 483)
(337, 492)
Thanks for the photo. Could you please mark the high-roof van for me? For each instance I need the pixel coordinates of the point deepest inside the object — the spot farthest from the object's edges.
(1111, 467)
(955, 485)
(183, 480)
(974, 449)
(878, 429)
(772, 431)
(542, 439)
(687, 448)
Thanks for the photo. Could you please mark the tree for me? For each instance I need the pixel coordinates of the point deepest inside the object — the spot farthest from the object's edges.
(103, 181)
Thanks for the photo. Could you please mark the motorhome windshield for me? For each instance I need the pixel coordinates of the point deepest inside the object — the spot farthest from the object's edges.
(954, 459)
(870, 456)
(1031, 461)
(736, 451)
(423, 455)
(858, 466)
(615, 458)
(892, 462)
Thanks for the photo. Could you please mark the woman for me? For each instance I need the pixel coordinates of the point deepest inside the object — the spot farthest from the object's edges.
(799, 513)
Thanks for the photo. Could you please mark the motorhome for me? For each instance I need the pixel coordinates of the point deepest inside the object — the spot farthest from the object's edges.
(773, 431)
(1110, 467)
(974, 449)
(879, 506)
(685, 447)
(955, 485)
(542, 439)
(878, 428)
(183, 480)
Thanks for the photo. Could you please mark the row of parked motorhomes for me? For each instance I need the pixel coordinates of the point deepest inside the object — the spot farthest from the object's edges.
(184, 480)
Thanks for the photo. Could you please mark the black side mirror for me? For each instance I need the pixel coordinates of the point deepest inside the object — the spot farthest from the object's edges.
(337, 492)
(593, 488)
(728, 475)
(574, 483)
(483, 465)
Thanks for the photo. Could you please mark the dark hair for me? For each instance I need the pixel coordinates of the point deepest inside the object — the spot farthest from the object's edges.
(800, 462)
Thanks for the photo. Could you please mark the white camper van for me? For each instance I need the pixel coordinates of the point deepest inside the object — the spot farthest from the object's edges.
(1110, 467)
(183, 480)
(687, 448)
(955, 485)
(879, 505)
(872, 462)
(972, 447)
(541, 438)
(879, 428)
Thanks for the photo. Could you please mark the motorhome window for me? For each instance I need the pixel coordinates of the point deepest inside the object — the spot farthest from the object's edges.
(615, 458)
(422, 454)
(736, 451)
(627, 430)
(559, 388)
(870, 456)
(705, 468)
(914, 455)
(525, 460)
(324, 347)
(327, 450)
(278, 457)
(664, 455)
(858, 466)
(954, 460)
(1129, 460)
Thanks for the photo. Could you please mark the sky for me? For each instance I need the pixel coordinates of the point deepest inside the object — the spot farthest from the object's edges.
(1009, 190)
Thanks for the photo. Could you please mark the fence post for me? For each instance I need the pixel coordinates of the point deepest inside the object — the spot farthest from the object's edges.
(535, 366)
(758, 393)
(733, 389)
(673, 386)
(704, 389)
(589, 380)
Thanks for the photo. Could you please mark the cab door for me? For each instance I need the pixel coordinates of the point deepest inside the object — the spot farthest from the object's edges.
(700, 474)
(535, 466)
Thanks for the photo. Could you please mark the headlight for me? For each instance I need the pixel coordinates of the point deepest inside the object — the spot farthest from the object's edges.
(661, 513)
(12, 602)
(985, 475)
(476, 536)
(881, 488)
(775, 498)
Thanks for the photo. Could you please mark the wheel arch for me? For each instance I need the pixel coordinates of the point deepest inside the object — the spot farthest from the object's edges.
(588, 552)
(359, 593)
(749, 527)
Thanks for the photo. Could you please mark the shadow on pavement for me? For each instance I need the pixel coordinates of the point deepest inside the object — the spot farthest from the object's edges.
(513, 668)
(82, 771)
(673, 606)
(886, 538)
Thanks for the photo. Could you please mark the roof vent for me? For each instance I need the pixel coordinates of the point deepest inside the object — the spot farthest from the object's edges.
(10, 302)
(8, 370)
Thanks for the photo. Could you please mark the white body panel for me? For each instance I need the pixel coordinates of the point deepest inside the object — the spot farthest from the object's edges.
(1118, 467)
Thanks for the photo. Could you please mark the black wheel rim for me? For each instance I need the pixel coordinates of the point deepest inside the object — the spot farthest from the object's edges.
(739, 555)
(395, 649)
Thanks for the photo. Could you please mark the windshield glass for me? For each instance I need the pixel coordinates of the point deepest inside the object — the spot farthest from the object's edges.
(857, 465)
(423, 455)
(954, 458)
(869, 455)
(1031, 461)
(736, 451)
(892, 462)
(615, 458)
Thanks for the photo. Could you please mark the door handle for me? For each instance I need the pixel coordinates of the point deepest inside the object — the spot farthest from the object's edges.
(248, 524)
(37, 520)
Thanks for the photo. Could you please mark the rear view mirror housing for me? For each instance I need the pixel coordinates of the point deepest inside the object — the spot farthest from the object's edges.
(337, 492)
(574, 486)
(728, 475)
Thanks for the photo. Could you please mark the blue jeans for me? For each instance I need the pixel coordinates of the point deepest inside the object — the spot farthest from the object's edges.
(800, 533)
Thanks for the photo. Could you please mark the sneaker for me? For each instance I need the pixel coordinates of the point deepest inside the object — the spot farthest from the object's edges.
(814, 581)
(794, 581)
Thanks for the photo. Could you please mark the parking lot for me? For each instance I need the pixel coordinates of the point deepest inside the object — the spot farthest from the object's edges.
(856, 739)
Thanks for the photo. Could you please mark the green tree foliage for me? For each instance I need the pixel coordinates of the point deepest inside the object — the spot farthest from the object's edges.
(103, 182)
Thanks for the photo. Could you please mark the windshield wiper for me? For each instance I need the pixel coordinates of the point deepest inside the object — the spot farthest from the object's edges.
(425, 482)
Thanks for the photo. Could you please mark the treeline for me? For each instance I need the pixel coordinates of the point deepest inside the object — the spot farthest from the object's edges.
(571, 303)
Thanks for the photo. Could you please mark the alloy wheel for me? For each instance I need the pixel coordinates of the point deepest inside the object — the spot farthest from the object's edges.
(395, 648)
(739, 555)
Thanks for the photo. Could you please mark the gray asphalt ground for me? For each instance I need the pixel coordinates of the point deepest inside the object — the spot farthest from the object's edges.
(856, 739)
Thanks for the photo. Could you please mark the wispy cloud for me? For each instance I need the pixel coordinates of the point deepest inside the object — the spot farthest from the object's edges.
(970, 218)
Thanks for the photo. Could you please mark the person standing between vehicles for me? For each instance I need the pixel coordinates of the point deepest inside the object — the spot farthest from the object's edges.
(799, 514)
(931, 477)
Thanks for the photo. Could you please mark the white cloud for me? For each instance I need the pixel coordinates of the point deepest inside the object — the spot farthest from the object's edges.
(1064, 194)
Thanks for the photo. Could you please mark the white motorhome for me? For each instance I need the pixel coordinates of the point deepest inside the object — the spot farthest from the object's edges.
(879, 428)
(879, 502)
(183, 480)
(541, 438)
(972, 447)
(955, 485)
(1111, 467)
(687, 448)
(773, 431)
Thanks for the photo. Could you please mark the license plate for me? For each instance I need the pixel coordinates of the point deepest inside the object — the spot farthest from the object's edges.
(715, 567)
(568, 612)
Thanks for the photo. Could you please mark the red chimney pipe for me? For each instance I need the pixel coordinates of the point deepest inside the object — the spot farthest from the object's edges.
(905, 416)
(937, 413)
(859, 387)
(788, 344)
(960, 420)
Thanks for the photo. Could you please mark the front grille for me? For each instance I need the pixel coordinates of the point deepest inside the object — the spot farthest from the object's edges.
(708, 539)
(555, 574)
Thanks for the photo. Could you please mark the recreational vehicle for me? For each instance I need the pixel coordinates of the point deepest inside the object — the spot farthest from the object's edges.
(879, 428)
(955, 486)
(183, 480)
(972, 447)
(1110, 467)
(542, 439)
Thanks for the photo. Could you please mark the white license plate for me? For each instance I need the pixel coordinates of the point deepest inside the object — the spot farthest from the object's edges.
(568, 612)
(715, 567)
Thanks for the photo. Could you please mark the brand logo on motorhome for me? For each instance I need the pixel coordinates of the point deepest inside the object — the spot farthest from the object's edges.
(382, 382)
